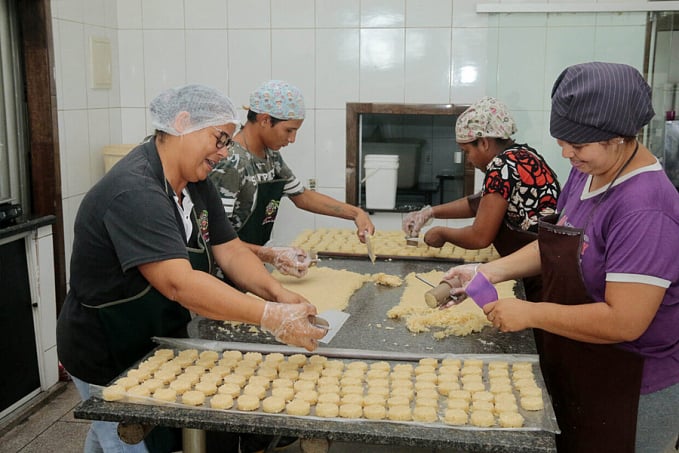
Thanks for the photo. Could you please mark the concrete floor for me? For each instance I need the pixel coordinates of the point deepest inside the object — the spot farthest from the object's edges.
(48, 425)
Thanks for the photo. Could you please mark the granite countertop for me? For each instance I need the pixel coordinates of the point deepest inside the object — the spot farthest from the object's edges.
(368, 328)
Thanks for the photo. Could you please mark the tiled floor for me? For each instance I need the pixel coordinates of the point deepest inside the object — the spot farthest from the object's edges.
(53, 429)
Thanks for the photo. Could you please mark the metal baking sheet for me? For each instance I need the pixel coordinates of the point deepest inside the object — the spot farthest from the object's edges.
(391, 257)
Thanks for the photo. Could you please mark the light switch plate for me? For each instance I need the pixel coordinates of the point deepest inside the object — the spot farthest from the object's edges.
(100, 62)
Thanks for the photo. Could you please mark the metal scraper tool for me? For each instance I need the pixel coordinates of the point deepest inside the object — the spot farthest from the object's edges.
(368, 243)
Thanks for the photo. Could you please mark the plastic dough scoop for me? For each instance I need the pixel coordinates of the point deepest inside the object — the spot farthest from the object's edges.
(319, 322)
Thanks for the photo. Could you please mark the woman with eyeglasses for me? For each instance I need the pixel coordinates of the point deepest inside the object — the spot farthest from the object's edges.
(254, 177)
(146, 240)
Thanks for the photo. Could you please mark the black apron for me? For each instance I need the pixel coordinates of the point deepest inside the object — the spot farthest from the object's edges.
(508, 240)
(256, 229)
(594, 387)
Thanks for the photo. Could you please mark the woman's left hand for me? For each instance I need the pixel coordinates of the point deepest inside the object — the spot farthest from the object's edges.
(509, 315)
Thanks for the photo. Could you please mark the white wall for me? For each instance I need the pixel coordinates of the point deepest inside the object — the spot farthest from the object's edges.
(336, 51)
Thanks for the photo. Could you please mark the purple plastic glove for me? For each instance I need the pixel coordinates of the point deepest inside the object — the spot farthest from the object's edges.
(414, 221)
(287, 260)
(481, 290)
(289, 324)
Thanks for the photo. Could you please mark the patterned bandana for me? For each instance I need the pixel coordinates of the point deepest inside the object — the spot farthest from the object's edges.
(278, 99)
(487, 117)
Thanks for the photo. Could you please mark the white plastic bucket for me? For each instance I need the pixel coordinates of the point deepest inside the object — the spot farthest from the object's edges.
(113, 153)
(381, 178)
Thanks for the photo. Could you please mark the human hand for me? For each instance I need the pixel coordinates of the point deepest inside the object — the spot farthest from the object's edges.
(414, 221)
(458, 278)
(509, 315)
(289, 324)
(364, 226)
(287, 260)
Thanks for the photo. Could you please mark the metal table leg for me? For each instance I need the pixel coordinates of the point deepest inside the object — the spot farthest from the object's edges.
(193, 440)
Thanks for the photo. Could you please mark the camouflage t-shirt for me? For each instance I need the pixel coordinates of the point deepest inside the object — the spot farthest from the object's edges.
(237, 177)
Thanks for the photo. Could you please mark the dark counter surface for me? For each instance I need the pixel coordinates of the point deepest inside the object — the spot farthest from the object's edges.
(368, 328)
(28, 225)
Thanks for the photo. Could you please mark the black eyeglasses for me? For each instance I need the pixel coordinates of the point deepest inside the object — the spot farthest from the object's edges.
(223, 140)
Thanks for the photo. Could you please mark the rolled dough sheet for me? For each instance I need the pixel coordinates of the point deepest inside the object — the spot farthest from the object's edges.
(461, 319)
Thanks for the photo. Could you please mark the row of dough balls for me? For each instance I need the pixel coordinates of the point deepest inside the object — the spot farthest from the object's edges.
(333, 388)
(385, 243)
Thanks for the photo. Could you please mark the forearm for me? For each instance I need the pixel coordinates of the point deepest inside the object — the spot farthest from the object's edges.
(319, 203)
(246, 270)
(525, 262)
(458, 209)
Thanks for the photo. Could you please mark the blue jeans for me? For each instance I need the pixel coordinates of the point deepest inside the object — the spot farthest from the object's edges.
(103, 436)
(658, 421)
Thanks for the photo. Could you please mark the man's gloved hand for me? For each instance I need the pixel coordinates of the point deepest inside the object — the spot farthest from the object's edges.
(289, 324)
(458, 278)
(287, 260)
(414, 221)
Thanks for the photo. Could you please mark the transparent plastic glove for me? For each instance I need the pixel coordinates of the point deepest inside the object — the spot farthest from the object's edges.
(287, 260)
(289, 324)
(414, 221)
(458, 278)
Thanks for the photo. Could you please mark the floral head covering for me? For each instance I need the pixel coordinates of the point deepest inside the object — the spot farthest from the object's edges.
(487, 117)
(279, 99)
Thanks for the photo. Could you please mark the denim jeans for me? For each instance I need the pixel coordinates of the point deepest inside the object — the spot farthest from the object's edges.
(658, 421)
(103, 436)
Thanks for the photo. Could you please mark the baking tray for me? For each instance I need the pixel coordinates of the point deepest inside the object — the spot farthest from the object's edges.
(543, 420)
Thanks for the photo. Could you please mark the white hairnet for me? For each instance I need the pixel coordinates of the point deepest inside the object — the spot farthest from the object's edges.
(205, 107)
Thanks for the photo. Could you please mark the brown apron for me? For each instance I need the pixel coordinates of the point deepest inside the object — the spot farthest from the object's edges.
(594, 387)
(508, 240)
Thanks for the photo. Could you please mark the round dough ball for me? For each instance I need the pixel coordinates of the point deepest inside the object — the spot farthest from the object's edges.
(404, 368)
(334, 365)
(188, 353)
(530, 391)
(449, 371)
(399, 413)
(429, 361)
(422, 386)
(267, 372)
(457, 363)
(327, 410)
(474, 387)
(471, 378)
(467, 370)
(350, 411)
(256, 357)
(372, 399)
(497, 365)
(532, 403)
(456, 403)
(208, 388)
(328, 398)
(129, 382)
(193, 398)
(113, 392)
(333, 372)
(351, 389)
(205, 363)
(152, 384)
(398, 401)
(300, 386)
(273, 404)
(327, 380)
(230, 389)
(307, 395)
(221, 401)
(446, 387)
(311, 376)
(377, 374)
(166, 395)
(522, 366)
(483, 406)
(281, 382)
(524, 382)
(523, 374)
(381, 391)
(483, 419)
(483, 396)
(298, 407)
(245, 371)
(510, 419)
(139, 375)
(288, 374)
(318, 359)
(425, 414)
(509, 397)
(473, 363)
(256, 390)
(180, 386)
(427, 377)
(232, 355)
(191, 378)
(455, 417)
(165, 354)
(422, 369)
(382, 365)
(377, 383)
(237, 379)
(297, 359)
(248, 402)
(328, 389)
(400, 375)
(374, 412)
(260, 380)
(352, 398)
(429, 402)
(360, 366)
(287, 393)
(500, 388)
(505, 406)
(274, 357)
(209, 355)
(351, 382)
(497, 373)
(460, 394)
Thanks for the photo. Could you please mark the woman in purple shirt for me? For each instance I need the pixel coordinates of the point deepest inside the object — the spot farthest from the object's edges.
(609, 350)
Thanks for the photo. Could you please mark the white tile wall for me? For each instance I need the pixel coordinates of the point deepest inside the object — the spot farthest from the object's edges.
(416, 51)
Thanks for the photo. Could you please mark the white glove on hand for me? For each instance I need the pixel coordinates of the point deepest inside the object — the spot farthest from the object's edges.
(289, 324)
(458, 278)
(287, 260)
(414, 221)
